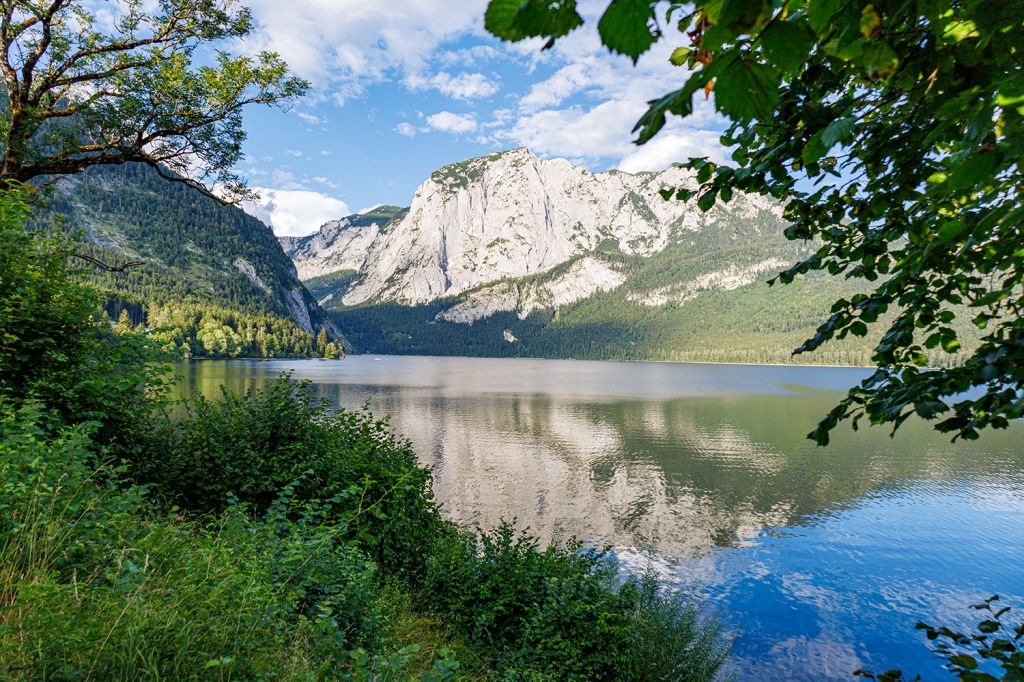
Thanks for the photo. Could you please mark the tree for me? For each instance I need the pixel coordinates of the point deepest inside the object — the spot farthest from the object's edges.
(892, 129)
(321, 341)
(154, 88)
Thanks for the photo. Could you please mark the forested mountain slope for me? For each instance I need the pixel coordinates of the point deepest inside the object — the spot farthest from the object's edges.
(206, 265)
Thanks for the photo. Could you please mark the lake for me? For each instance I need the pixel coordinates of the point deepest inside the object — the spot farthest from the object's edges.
(817, 560)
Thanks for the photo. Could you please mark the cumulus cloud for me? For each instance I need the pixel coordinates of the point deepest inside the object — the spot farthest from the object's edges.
(342, 46)
(463, 86)
(673, 147)
(448, 122)
(406, 129)
(295, 212)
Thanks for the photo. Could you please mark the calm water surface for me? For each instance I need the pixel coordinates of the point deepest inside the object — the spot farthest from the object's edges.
(819, 561)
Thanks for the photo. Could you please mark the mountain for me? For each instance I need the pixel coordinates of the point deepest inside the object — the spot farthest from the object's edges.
(197, 252)
(514, 255)
(510, 254)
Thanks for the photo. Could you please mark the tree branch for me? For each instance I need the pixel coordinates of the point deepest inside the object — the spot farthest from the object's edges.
(106, 266)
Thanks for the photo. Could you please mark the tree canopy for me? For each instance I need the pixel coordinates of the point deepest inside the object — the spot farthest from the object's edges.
(892, 130)
(146, 82)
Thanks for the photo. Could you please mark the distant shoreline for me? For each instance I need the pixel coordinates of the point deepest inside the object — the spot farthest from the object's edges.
(500, 357)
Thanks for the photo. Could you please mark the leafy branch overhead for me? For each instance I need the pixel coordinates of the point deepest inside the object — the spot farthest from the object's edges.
(150, 85)
(892, 130)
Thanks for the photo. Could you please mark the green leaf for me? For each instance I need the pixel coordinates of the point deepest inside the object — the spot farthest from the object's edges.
(988, 626)
(627, 27)
(706, 201)
(515, 19)
(815, 148)
(747, 90)
(740, 16)
(499, 19)
(787, 44)
(870, 21)
(544, 18)
(679, 56)
(838, 131)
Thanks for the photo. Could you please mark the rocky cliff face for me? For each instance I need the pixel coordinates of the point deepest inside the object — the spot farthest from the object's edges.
(339, 245)
(511, 232)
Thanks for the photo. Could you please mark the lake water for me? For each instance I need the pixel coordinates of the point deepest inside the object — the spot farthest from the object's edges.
(818, 560)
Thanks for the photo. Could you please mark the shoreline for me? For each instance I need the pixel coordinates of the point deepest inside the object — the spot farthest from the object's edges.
(505, 357)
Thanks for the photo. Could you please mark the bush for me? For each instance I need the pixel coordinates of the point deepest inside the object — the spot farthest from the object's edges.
(249, 447)
(91, 588)
(54, 345)
(558, 613)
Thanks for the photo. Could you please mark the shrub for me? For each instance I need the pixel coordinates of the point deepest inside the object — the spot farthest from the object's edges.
(558, 612)
(54, 345)
(91, 588)
(249, 447)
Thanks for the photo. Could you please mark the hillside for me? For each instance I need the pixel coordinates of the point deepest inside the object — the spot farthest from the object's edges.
(204, 262)
(514, 255)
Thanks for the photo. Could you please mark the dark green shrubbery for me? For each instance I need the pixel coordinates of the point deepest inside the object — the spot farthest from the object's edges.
(55, 347)
(560, 612)
(248, 447)
(93, 587)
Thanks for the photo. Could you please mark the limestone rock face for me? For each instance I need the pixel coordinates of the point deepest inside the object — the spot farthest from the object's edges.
(485, 229)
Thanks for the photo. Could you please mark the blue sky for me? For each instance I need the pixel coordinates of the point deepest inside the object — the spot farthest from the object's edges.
(401, 88)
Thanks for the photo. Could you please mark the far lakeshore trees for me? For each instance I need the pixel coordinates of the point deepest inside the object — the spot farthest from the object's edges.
(894, 132)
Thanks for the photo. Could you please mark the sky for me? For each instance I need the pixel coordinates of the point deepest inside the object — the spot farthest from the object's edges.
(402, 88)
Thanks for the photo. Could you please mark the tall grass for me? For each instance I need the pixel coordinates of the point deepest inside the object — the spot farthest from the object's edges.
(92, 588)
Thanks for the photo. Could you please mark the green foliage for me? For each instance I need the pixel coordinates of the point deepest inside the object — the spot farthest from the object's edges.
(893, 131)
(91, 587)
(194, 330)
(249, 447)
(83, 90)
(558, 613)
(53, 345)
(975, 657)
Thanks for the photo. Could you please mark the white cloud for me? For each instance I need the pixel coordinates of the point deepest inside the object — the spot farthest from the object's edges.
(469, 56)
(673, 147)
(463, 86)
(309, 118)
(344, 45)
(587, 108)
(406, 129)
(295, 212)
(448, 122)
(326, 182)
